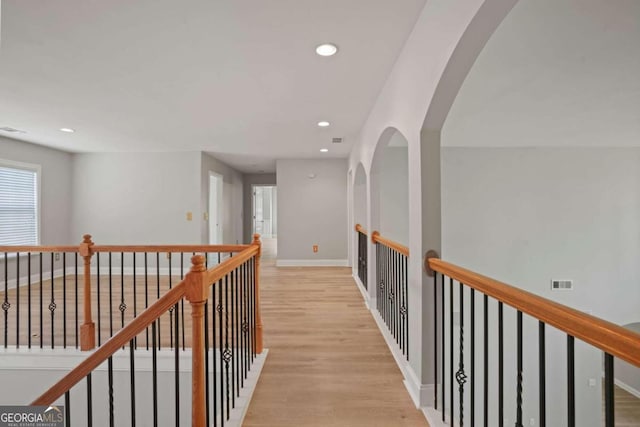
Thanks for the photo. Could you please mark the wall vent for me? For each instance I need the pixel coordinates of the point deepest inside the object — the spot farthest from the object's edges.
(10, 129)
(562, 285)
(336, 140)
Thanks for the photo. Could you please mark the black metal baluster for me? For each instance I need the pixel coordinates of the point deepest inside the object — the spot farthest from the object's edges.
(110, 296)
(571, 383)
(154, 371)
(89, 402)
(220, 351)
(98, 299)
(76, 287)
(378, 277)
(442, 349)
(542, 380)
(64, 300)
(519, 363)
(182, 301)
(52, 303)
(146, 293)
(110, 379)
(461, 377)
(486, 361)
(67, 409)
(500, 365)
(472, 354)
(236, 351)
(406, 304)
(392, 293)
(123, 306)
(213, 352)
(177, 363)
(41, 304)
(6, 304)
(609, 402)
(435, 340)
(29, 299)
(17, 299)
(158, 296)
(132, 378)
(451, 349)
(227, 353)
(135, 298)
(233, 344)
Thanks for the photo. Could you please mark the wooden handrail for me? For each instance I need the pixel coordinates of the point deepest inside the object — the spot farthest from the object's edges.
(228, 265)
(377, 238)
(170, 248)
(359, 229)
(126, 334)
(36, 249)
(606, 336)
(128, 248)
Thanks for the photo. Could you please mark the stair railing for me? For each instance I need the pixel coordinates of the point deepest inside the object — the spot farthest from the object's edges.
(239, 328)
(466, 365)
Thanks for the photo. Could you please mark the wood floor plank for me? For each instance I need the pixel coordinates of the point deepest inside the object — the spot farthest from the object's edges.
(328, 364)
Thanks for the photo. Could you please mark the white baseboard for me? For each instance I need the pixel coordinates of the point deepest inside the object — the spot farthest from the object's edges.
(312, 263)
(421, 394)
(627, 388)
(363, 291)
(434, 418)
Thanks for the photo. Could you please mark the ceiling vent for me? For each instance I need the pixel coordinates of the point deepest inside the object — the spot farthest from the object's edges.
(336, 140)
(11, 130)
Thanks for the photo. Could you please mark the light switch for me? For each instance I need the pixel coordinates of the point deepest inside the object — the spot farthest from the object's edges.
(189, 216)
(315, 249)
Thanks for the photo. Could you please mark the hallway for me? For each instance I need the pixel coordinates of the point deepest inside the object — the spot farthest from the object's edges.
(328, 364)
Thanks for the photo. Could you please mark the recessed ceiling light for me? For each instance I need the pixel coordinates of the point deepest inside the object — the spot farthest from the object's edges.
(323, 124)
(327, 49)
(324, 150)
(67, 130)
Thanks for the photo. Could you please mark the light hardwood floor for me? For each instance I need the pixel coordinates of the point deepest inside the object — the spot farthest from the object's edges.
(328, 364)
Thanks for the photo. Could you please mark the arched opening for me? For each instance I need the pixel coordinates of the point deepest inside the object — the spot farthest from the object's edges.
(390, 187)
(540, 178)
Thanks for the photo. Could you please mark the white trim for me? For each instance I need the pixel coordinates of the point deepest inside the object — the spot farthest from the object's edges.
(421, 394)
(434, 418)
(312, 263)
(627, 388)
(363, 291)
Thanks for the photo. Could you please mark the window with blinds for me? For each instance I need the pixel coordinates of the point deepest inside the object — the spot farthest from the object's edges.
(18, 204)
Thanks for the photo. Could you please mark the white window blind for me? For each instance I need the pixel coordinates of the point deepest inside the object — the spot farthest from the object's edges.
(18, 205)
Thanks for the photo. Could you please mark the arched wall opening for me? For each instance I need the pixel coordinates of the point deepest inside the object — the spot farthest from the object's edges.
(390, 187)
(359, 187)
(540, 164)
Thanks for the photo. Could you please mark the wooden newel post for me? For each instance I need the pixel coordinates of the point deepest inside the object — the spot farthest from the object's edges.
(88, 328)
(197, 294)
(256, 241)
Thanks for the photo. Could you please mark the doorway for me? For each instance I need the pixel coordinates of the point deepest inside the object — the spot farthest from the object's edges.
(265, 210)
(215, 209)
(265, 217)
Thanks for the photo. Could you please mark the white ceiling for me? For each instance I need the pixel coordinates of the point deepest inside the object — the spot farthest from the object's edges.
(555, 73)
(238, 79)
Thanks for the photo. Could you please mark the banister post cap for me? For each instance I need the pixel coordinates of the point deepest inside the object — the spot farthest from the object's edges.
(431, 253)
(85, 247)
(197, 263)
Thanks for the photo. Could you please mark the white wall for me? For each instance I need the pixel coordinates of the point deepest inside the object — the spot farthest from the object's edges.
(528, 215)
(312, 211)
(138, 198)
(55, 181)
(232, 209)
(360, 197)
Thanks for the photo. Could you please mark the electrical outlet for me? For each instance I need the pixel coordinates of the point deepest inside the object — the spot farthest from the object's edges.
(315, 249)
(592, 382)
(189, 216)
(57, 256)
